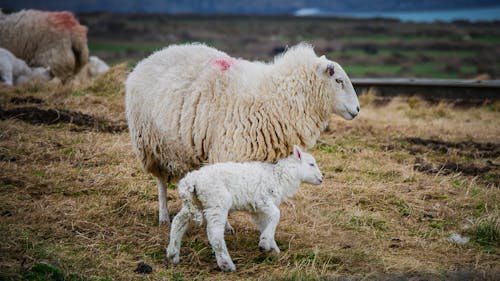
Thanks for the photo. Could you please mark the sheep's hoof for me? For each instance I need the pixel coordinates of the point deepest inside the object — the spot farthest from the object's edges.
(264, 245)
(227, 266)
(229, 230)
(173, 258)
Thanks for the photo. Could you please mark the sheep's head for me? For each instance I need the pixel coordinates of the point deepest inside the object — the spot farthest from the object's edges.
(307, 170)
(344, 100)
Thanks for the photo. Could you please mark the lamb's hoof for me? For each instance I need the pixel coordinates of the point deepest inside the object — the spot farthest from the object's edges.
(164, 221)
(227, 266)
(266, 246)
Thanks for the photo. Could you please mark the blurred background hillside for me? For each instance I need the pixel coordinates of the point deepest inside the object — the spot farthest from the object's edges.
(435, 39)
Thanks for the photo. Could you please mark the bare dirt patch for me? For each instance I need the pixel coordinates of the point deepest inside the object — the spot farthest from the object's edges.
(471, 148)
(35, 115)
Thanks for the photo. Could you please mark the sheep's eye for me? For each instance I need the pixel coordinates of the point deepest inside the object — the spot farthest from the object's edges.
(339, 81)
(311, 164)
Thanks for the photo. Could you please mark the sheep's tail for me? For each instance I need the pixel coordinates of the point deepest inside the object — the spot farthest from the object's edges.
(187, 192)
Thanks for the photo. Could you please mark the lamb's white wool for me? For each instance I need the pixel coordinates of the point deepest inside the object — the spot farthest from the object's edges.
(255, 187)
(192, 104)
(94, 68)
(14, 71)
(97, 66)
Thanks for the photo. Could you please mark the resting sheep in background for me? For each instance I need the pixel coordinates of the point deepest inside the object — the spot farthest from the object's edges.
(256, 187)
(14, 71)
(191, 104)
(49, 39)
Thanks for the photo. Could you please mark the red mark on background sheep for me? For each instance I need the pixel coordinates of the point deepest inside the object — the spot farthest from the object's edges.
(224, 64)
(66, 21)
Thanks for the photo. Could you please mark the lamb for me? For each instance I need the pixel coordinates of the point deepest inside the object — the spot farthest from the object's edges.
(48, 39)
(256, 187)
(14, 71)
(191, 104)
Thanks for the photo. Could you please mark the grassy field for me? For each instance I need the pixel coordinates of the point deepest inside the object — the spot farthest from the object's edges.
(400, 179)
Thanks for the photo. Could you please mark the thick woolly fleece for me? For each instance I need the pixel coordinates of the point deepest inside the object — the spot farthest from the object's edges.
(256, 187)
(191, 104)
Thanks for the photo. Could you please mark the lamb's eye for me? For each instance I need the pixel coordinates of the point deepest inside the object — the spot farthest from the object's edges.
(339, 81)
(311, 164)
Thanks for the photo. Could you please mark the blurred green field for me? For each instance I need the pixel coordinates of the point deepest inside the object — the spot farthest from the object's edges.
(366, 48)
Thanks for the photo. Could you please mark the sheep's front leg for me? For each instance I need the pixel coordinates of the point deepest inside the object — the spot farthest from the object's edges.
(177, 230)
(216, 221)
(267, 220)
(162, 202)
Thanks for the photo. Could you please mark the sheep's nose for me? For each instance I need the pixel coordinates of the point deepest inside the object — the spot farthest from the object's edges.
(357, 109)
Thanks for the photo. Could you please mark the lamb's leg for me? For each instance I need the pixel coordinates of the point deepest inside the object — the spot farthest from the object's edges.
(267, 220)
(216, 220)
(177, 230)
(162, 202)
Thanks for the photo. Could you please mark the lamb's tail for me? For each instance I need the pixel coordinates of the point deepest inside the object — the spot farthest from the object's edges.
(187, 192)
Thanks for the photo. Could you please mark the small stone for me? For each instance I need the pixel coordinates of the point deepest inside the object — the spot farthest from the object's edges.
(458, 239)
(143, 268)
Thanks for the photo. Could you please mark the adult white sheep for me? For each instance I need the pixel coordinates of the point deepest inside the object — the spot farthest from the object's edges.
(14, 71)
(48, 39)
(192, 104)
(255, 187)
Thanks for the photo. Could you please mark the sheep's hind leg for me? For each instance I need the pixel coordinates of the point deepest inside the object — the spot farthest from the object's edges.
(228, 229)
(162, 202)
(216, 220)
(179, 226)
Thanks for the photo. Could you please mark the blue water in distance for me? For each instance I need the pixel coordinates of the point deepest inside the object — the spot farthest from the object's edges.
(479, 14)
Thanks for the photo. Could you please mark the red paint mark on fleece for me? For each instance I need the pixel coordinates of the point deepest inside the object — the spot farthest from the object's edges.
(66, 21)
(224, 64)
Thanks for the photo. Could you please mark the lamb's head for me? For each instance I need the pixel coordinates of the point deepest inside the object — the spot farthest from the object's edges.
(344, 100)
(307, 170)
(42, 73)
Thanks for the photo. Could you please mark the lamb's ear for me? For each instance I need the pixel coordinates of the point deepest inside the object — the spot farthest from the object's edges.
(297, 152)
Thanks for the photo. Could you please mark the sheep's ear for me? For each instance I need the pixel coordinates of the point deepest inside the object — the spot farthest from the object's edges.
(297, 152)
(325, 69)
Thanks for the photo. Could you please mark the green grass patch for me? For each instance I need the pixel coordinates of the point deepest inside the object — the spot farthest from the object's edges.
(432, 70)
(357, 222)
(489, 39)
(403, 209)
(364, 70)
(329, 148)
(44, 272)
(486, 233)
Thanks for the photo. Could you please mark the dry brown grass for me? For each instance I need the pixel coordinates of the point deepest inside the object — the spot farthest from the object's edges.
(75, 197)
